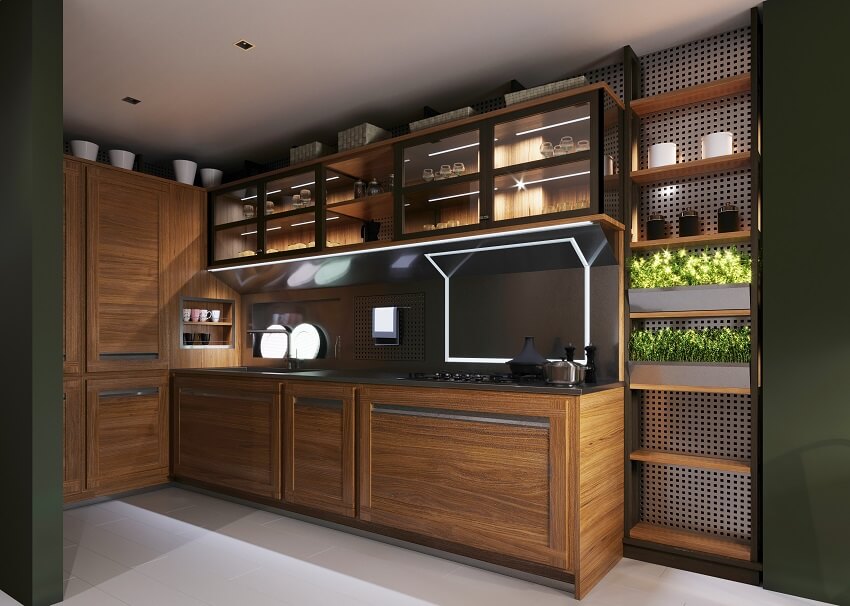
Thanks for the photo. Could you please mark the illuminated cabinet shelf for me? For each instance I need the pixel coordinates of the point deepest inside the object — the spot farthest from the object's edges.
(555, 158)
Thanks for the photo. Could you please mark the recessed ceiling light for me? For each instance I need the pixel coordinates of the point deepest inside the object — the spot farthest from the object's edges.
(131, 100)
(244, 45)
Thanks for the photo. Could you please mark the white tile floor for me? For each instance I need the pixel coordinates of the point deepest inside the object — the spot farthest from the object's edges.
(174, 547)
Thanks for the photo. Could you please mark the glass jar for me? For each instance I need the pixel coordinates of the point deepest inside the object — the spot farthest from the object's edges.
(374, 188)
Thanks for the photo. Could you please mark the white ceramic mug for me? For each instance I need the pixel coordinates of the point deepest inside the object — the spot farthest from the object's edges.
(121, 158)
(204, 316)
(185, 171)
(210, 177)
(84, 149)
(187, 314)
(717, 144)
(215, 315)
(662, 154)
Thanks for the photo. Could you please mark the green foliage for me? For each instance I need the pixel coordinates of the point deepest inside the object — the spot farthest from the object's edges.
(681, 268)
(729, 345)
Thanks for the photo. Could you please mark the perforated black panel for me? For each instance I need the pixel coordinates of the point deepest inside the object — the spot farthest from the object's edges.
(711, 502)
(611, 74)
(412, 346)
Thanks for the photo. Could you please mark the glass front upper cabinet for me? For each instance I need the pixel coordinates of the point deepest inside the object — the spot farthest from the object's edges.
(289, 208)
(441, 159)
(234, 218)
(555, 136)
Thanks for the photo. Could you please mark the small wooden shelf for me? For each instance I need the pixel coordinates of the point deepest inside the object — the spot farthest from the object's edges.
(208, 323)
(695, 388)
(688, 460)
(732, 237)
(441, 183)
(366, 209)
(692, 169)
(693, 541)
(691, 313)
(718, 89)
(523, 167)
(293, 212)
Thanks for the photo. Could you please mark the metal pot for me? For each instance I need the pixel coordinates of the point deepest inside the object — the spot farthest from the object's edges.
(564, 372)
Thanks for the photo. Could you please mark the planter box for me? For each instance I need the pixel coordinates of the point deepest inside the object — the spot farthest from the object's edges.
(546, 89)
(309, 151)
(457, 114)
(690, 374)
(360, 135)
(690, 298)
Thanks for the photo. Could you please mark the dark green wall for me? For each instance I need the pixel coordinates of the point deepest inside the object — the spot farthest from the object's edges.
(806, 325)
(31, 253)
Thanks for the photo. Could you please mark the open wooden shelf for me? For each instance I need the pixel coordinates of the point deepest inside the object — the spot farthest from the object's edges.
(368, 208)
(695, 388)
(692, 169)
(694, 541)
(208, 323)
(732, 237)
(718, 89)
(688, 460)
(691, 313)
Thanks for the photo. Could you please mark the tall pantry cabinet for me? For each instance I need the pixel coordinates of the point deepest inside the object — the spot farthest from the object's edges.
(122, 286)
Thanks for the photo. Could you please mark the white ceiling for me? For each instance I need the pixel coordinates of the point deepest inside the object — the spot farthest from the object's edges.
(324, 65)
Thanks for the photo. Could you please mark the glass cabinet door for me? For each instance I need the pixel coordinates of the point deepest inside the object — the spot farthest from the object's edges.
(234, 218)
(289, 209)
(442, 159)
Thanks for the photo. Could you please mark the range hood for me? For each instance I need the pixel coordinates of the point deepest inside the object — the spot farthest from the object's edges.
(544, 247)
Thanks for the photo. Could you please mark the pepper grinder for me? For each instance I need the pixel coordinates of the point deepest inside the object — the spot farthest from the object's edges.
(570, 350)
(590, 364)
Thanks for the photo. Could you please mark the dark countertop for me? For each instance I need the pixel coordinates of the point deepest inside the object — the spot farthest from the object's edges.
(394, 378)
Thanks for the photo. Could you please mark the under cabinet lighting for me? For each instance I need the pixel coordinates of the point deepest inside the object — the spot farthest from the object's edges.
(523, 184)
(534, 130)
(528, 230)
(445, 151)
(472, 193)
(312, 183)
(308, 222)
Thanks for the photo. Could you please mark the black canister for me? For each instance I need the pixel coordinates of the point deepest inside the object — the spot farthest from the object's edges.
(688, 223)
(656, 227)
(727, 218)
(590, 364)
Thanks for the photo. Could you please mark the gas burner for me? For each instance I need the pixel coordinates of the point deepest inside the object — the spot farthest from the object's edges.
(498, 378)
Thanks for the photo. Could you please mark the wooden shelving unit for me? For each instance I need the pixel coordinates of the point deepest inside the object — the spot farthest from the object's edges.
(221, 333)
(694, 168)
(732, 237)
(693, 541)
(691, 313)
(736, 85)
(208, 323)
(688, 460)
(366, 209)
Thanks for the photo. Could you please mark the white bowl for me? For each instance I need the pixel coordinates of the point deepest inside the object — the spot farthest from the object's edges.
(717, 144)
(662, 154)
(121, 158)
(84, 149)
(185, 171)
(210, 177)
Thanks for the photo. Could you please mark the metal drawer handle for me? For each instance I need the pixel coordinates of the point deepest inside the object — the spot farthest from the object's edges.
(129, 393)
(223, 394)
(475, 417)
(317, 402)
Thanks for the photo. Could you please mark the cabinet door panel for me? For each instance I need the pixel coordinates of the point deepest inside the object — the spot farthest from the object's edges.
(228, 434)
(127, 440)
(72, 274)
(482, 479)
(73, 432)
(124, 328)
(320, 446)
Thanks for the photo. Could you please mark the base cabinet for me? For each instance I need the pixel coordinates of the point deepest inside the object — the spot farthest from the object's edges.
(442, 464)
(227, 434)
(320, 446)
(126, 432)
(73, 416)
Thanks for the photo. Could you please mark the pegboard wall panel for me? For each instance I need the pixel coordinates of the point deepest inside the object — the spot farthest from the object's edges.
(706, 195)
(694, 323)
(712, 425)
(612, 74)
(711, 502)
(685, 126)
(412, 316)
(697, 62)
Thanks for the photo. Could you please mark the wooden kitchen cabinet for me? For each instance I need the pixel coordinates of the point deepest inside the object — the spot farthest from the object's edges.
(72, 272)
(454, 465)
(126, 432)
(319, 430)
(227, 434)
(124, 327)
(74, 434)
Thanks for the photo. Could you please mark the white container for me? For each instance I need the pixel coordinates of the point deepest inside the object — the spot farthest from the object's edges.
(185, 171)
(121, 158)
(84, 149)
(717, 144)
(210, 177)
(662, 154)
